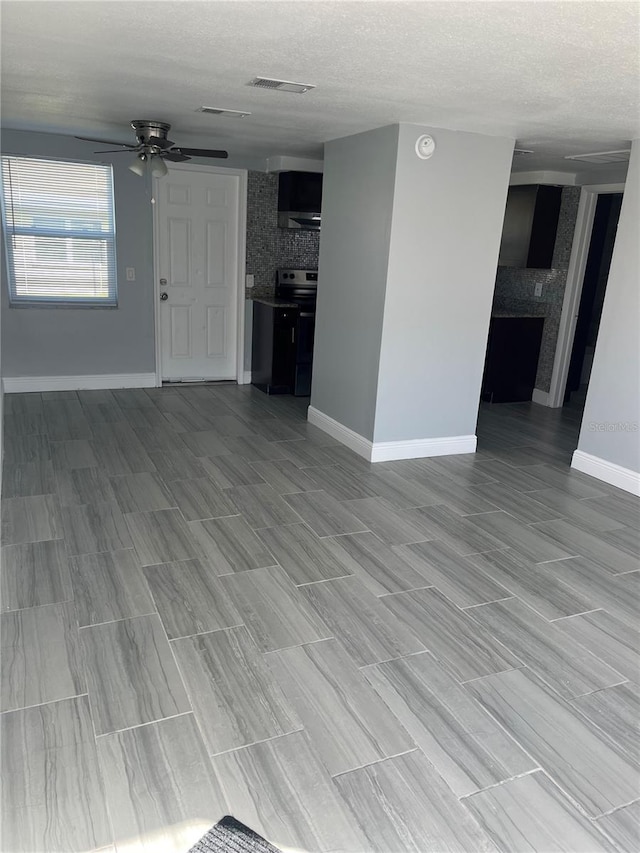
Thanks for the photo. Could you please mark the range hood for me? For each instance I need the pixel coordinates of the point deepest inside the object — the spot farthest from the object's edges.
(300, 200)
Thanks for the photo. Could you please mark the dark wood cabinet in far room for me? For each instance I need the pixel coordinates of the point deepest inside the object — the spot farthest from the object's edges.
(273, 356)
(513, 350)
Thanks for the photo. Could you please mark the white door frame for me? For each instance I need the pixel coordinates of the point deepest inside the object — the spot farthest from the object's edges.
(573, 289)
(241, 261)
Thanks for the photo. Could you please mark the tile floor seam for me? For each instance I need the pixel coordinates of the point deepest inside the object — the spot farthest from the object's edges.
(378, 761)
(41, 704)
(209, 631)
(144, 725)
(499, 784)
(121, 619)
(254, 743)
(616, 809)
(38, 606)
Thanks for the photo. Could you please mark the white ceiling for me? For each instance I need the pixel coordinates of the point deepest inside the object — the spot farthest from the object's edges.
(561, 77)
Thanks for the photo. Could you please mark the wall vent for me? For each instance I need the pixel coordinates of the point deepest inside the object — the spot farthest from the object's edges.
(280, 85)
(602, 157)
(518, 152)
(221, 111)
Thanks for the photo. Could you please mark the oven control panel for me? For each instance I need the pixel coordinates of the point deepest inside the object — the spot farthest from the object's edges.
(297, 277)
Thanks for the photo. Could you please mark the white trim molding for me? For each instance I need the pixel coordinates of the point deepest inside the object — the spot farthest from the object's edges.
(246, 378)
(387, 451)
(448, 445)
(540, 397)
(353, 440)
(99, 382)
(573, 288)
(608, 472)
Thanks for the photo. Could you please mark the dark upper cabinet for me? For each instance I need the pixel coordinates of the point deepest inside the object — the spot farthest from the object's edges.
(300, 200)
(530, 226)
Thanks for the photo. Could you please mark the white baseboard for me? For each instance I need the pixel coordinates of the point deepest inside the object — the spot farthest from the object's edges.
(609, 472)
(246, 378)
(353, 440)
(22, 384)
(540, 397)
(387, 451)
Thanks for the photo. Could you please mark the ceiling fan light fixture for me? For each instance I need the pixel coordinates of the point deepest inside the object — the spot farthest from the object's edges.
(152, 148)
(158, 167)
(139, 165)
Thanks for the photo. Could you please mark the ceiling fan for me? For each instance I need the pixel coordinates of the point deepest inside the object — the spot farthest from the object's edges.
(153, 148)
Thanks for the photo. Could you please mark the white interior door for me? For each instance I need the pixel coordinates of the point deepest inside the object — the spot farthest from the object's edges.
(197, 234)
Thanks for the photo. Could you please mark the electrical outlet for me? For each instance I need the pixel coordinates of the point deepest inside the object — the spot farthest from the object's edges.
(538, 289)
(249, 280)
(131, 273)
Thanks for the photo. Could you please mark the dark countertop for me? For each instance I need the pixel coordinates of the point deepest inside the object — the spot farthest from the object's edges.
(516, 314)
(273, 301)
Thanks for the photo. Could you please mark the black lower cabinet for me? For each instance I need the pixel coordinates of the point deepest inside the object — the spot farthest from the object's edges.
(511, 365)
(273, 353)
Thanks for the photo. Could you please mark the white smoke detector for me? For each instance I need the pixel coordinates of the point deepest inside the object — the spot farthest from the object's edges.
(425, 146)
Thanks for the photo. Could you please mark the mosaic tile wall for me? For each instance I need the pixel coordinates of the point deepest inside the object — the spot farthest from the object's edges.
(268, 247)
(515, 287)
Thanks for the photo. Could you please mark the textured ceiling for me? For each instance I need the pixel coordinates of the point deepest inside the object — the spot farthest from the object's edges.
(561, 77)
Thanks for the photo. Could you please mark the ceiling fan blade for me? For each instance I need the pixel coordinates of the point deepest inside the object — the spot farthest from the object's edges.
(105, 141)
(174, 156)
(159, 142)
(203, 152)
(117, 151)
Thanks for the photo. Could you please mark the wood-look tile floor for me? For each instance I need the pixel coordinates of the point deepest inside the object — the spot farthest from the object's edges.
(209, 606)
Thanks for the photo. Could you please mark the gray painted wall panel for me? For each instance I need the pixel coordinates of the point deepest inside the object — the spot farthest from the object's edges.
(75, 341)
(613, 398)
(445, 237)
(357, 204)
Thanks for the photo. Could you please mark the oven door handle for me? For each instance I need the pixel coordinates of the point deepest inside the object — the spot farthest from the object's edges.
(306, 314)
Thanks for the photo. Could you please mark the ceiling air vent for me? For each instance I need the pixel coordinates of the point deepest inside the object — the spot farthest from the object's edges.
(280, 85)
(220, 111)
(602, 157)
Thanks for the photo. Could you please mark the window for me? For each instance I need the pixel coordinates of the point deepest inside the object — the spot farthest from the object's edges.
(60, 233)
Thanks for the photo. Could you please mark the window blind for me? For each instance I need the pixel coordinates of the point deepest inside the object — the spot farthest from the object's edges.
(59, 227)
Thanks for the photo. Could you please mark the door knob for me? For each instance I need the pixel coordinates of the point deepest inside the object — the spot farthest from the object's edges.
(164, 297)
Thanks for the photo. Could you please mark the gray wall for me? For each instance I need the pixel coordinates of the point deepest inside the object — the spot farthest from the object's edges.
(515, 287)
(445, 237)
(357, 202)
(613, 397)
(76, 341)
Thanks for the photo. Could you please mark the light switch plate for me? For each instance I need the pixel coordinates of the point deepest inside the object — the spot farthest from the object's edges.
(538, 289)
(131, 273)
(249, 280)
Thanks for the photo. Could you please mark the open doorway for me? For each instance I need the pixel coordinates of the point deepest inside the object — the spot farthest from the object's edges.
(603, 235)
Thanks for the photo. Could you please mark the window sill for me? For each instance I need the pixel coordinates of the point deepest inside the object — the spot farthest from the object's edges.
(65, 306)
